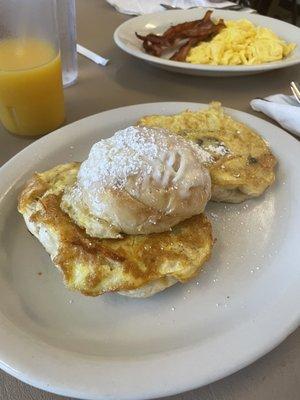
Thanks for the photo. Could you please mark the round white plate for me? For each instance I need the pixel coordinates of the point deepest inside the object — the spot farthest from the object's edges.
(125, 38)
(111, 347)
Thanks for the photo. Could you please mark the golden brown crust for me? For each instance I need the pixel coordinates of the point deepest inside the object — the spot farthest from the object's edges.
(94, 266)
(40, 183)
(244, 165)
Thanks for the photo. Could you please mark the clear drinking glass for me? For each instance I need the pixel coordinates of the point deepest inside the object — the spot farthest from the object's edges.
(66, 18)
(31, 92)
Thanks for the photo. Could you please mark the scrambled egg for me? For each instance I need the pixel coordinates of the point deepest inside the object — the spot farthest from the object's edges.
(241, 42)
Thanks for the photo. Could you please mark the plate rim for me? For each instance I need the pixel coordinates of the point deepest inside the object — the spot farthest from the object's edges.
(161, 391)
(201, 67)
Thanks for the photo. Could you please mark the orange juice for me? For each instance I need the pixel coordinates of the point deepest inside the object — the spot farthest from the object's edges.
(31, 93)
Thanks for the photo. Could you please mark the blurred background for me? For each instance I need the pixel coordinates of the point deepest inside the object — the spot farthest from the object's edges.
(286, 10)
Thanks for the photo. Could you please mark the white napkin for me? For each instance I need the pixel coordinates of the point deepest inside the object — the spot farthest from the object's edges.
(284, 109)
(137, 7)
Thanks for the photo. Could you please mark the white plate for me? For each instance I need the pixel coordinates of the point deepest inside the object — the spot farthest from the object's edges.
(125, 38)
(112, 347)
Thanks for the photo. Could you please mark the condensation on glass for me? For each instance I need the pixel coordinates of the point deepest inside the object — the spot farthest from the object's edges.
(66, 18)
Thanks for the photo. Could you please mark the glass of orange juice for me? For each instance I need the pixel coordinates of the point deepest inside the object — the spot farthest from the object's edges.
(31, 91)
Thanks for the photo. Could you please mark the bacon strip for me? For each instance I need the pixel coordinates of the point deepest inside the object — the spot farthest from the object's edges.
(154, 44)
(205, 34)
(192, 32)
(182, 53)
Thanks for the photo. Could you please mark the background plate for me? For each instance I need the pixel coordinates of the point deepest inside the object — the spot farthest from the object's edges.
(125, 38)
(110, 347)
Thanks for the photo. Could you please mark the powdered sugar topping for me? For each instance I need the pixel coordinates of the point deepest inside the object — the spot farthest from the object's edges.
(220, 149)
(140, 152)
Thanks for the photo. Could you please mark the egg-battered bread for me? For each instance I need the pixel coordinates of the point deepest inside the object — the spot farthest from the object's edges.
(242, 163)
(136, 265)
